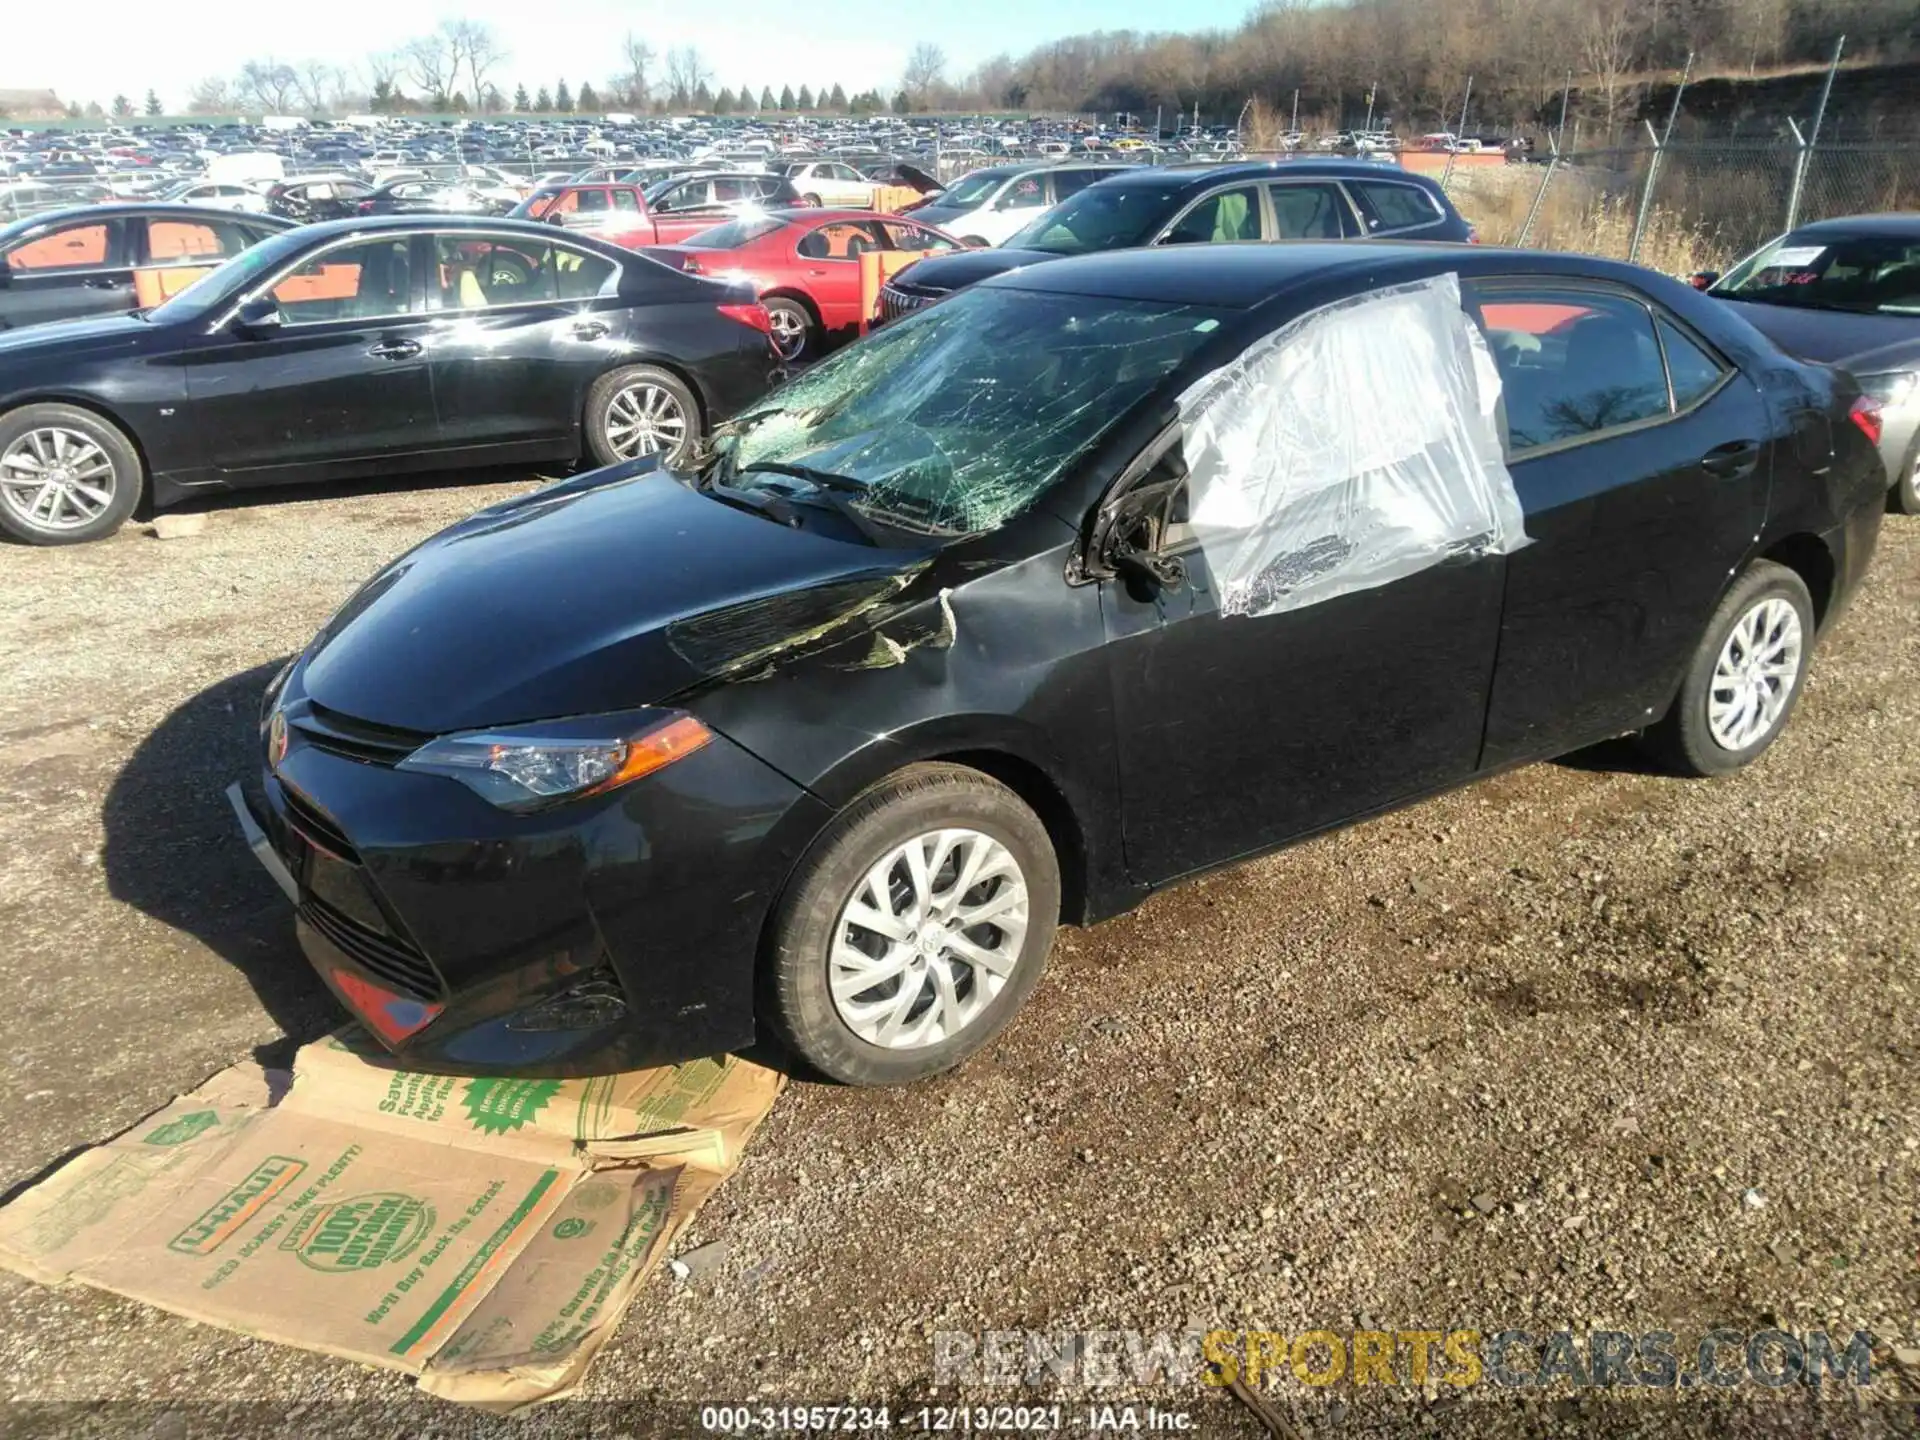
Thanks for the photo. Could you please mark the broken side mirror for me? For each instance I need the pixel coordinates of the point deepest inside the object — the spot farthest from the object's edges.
(1149, 573)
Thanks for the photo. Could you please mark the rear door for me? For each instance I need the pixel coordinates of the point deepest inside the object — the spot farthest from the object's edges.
(170, 253)
(341, 385)
(829, 260)
(1643, 460)
(1311, 210)
(514, 339)
(76, 269)
(1230, 213)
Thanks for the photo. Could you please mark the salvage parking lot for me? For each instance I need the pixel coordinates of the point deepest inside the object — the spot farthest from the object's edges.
(1581, 1046)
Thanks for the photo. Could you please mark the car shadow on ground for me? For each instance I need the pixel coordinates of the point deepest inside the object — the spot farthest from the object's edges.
(1621, 756)
(174, 851)
(263, 497)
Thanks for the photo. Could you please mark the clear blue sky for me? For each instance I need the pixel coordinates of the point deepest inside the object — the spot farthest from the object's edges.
(855, 43)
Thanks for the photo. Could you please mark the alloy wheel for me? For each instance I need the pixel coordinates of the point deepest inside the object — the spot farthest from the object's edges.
(645, 419)
(789, 330)
(930, 935)
(55, 478)
(1754, 677)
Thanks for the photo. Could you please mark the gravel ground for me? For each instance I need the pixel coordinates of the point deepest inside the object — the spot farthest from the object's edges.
(1580, 1047)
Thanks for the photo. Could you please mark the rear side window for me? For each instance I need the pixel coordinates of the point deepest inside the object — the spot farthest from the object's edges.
(1309, 212)
(72, 247)
(1573, 364)
(1029, 192)
(1397, 207)
(476, 273)
(1694, 372)
(1072, 182)
(193, 242)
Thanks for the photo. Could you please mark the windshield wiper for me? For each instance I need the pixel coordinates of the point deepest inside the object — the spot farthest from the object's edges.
(825, 479)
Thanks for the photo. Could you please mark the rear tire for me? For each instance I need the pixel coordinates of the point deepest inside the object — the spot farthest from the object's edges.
(811, 200)
(1744, 679)
(1904, 498)
(795, 335)
(641, 410)
(887, 1005)
(92, 475)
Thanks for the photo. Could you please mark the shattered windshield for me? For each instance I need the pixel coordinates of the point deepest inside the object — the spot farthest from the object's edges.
(959, 417)
(1864, 273)
(1102, 217)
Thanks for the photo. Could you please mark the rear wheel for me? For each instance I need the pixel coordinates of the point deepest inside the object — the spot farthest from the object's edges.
(66, 475)
(1745, 676)
(1906, 490)
(812, 200)
(641, 410)
(914, 928)
(793, 328)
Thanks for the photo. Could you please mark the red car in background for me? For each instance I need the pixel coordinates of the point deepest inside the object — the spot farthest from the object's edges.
(682, 206)
(804, 263)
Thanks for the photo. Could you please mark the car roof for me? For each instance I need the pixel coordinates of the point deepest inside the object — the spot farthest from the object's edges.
(1894, 225)
(1200, 176)
(138, 209)
(373, 224)
(1240, 276)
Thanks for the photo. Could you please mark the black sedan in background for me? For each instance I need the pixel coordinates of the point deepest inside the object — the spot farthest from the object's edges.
(323, 197)
(97, 259)
(1199, 205)
(427, 197)
(1847, 292)
(365, 348)
(947, 642)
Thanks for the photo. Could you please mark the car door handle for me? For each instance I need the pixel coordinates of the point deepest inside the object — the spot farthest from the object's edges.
(1732, 461)
(588, 329)
(396, 349)
(105, 282)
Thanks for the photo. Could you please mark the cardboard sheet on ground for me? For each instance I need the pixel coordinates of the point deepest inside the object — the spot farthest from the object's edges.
(485, 1235)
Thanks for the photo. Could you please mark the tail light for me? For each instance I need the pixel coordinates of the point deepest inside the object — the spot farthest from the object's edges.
(691, 264)
(1865, 412)
(365, 207)
(1473, 234)
(753, 316)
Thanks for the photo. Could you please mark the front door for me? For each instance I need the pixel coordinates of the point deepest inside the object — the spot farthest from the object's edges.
(76, 270)
(1643, 463)
(1349, 674)
(340, 385)
(829, 260)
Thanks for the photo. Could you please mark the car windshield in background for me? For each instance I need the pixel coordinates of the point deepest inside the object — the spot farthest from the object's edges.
(1103, 217)
(959, 418)
(213, 289)
(735, 233)
(972, 189)
(1866, 274)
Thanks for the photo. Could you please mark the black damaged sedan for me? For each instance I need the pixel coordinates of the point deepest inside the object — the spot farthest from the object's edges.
(1035, 602)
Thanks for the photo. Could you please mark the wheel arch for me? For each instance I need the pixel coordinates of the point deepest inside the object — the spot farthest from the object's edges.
(656, 362)
(93, 407)
(799, 297)
(1808, 556)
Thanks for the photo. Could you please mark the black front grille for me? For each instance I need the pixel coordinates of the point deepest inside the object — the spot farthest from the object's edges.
(895, 302)
(391, 960)
(315, 826)
(343, 735)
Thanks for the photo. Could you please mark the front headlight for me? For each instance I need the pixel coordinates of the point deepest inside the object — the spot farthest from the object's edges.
(529, 767)
(1895, 388)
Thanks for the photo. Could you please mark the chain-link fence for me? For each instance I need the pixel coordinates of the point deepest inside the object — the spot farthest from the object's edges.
(1686, 205)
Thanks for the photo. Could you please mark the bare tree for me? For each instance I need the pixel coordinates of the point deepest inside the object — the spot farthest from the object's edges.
(634, 83)
(925, 67)
(432, 65)
(316, 83)
(211, 96)
(270, 85)
(686, 72)
(1611, 35)
(473, 44)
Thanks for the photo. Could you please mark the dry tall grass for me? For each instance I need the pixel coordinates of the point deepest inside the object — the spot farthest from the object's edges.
(1583, 215)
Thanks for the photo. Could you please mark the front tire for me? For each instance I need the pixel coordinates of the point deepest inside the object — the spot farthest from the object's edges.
(1745, 676)
(641, 410)
(915, 927)
(67, 475)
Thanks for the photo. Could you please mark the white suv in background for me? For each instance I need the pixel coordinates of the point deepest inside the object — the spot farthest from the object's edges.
(988, 206)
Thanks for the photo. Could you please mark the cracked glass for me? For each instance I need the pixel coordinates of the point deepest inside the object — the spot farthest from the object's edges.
(958, 418)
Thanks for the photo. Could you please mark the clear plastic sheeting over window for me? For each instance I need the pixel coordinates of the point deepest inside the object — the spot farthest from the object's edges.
(1352, 448)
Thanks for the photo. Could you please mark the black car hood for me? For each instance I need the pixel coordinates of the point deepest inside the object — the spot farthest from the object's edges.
(1865, 344)
(31, 342)
(601, 594)
(939, 274)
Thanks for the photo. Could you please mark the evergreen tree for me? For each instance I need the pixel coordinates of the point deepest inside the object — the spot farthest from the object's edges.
(562, 98)
(459, 104)
(767, 102)
(806, 98)
(122, 108)
(153, 103)
(543, 102)
(723, 102)
(786, 97)
(703, 99)
(520, 100)
(837, 101)
(902, 105)
(745, 103)
(589, 102)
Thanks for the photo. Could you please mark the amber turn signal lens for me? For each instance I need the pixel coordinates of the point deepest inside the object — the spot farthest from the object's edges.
(655, 750)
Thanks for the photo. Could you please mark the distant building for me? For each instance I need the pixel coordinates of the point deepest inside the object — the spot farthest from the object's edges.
(31, 105)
